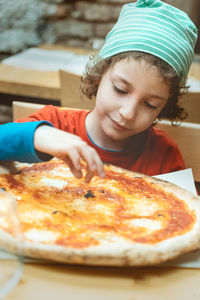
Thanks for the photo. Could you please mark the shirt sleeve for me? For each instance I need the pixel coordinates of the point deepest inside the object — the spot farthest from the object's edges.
(17, 142)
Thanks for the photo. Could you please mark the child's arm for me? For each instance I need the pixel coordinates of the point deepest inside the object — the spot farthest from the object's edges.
(16, 142)
(69, 148)
(29, 141)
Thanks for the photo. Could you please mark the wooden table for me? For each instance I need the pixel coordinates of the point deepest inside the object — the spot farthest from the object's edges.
(40, 281)
(33, 83)
(37, 84)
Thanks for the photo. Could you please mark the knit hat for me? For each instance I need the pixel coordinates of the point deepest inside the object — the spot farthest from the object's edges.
(154, 27)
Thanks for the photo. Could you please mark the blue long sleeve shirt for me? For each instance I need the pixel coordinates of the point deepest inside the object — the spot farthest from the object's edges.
(17, 142)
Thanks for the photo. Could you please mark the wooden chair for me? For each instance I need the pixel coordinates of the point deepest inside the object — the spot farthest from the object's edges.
(191, 104)
(24, 109)
(187, 137)
(70, 95)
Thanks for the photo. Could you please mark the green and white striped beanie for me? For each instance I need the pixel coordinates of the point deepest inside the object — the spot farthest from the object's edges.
(154, 27)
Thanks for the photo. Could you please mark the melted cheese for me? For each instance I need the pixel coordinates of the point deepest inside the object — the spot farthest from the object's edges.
(149, 225)
(33, 215)
(57, 183)
(41, 236)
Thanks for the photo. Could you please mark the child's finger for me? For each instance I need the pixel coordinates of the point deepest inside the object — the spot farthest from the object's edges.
(94, 163)
(73, 161)
(89, 176)
(100, 165)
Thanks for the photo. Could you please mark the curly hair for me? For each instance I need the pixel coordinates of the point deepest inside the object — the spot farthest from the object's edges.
(98, 66)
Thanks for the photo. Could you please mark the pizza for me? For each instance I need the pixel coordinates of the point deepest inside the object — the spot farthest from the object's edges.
(123, 219)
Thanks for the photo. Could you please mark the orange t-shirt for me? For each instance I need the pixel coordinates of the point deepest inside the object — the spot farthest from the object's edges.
(158, 153)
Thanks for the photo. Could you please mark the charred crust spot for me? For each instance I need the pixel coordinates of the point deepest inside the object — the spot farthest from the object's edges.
(3, 189)
(60, 212)
(89, 194)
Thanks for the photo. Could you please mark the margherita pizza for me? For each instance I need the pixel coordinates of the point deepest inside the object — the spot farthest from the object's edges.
(124, 219)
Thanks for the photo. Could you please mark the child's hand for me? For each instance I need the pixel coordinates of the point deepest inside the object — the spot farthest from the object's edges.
(70, 148)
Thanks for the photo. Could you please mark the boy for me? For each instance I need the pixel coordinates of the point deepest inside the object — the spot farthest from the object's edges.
(136, 78)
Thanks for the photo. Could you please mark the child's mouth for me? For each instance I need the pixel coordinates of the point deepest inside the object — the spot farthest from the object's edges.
(118, 126)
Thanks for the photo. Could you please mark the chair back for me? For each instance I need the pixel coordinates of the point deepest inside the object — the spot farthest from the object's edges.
(24, 109)
(191, 104)
(70, 95)
(187, 137)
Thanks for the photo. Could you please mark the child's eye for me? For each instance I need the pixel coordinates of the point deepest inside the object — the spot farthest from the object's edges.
(118, 90)
(150, 105)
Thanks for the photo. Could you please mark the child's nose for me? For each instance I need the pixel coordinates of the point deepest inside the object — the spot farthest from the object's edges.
(129, 109)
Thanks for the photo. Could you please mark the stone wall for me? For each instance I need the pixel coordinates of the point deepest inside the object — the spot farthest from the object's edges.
(85, 23)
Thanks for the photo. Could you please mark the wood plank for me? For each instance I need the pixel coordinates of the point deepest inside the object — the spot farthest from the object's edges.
(49, 281)
(187, 137)
(40, 84)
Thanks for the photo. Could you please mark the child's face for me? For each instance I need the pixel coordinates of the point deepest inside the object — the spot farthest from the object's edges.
(130, 96)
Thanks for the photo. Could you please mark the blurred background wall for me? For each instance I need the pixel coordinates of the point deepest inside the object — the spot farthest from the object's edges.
(84, 23)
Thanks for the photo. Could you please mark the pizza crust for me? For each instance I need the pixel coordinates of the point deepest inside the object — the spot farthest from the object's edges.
(107, 254)
(120, 252)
